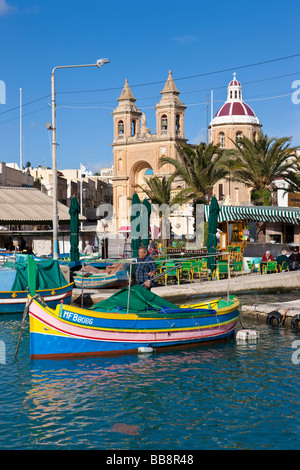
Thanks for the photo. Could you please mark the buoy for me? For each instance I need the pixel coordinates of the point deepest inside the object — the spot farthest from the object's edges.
(145, 350)
(247, 334)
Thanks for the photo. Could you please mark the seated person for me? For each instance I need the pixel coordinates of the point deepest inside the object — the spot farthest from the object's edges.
(295, 259)
(265, 258)
(283, 257)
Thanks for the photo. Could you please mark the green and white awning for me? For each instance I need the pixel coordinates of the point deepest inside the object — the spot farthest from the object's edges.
(289, 215)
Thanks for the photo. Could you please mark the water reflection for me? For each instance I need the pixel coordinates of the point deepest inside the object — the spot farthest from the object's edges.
(217, 395)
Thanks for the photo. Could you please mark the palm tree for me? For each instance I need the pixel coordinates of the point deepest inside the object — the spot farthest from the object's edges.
(260, 162)
(198, 168)
(158, 190)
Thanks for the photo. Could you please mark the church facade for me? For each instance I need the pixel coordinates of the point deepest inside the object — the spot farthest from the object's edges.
(137, 151)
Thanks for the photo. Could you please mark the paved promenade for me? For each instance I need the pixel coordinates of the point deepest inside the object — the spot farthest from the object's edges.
(188, 291)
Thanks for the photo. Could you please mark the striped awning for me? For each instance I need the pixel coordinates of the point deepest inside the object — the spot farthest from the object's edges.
(289, 215)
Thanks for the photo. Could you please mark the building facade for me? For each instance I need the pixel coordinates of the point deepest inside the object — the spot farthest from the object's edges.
(233, 120)
(136, 151)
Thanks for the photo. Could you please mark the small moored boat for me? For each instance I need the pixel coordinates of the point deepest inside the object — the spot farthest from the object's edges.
(93, 278)
(50, 283)
(125, 322)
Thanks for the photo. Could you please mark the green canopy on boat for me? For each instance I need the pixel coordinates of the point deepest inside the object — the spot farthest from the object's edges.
(47, 272)
(140, 300)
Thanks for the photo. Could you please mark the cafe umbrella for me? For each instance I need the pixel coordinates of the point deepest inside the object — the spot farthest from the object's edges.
(74, 229)
(212, 230)
(135, 225)
(146, 222)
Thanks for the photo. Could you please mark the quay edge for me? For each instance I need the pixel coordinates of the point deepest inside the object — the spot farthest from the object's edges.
(256, 283)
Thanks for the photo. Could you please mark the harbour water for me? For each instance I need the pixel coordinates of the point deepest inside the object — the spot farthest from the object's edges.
(227, 395)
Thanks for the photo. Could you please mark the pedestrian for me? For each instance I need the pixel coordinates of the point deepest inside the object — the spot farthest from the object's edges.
(88, 250)
(145, 268)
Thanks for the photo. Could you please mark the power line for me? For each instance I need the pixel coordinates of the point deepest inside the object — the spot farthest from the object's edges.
(177, 79)
(185, 78)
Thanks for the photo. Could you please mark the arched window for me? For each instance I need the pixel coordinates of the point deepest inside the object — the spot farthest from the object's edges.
(239, 135)
(164, 124)
(222, 139)
(120, 127)
(235, 94)
(177, 123)
(133, 126)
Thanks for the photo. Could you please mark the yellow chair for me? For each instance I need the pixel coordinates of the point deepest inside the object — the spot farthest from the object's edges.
(187, 268)
(172, 273)
(270, 267)
(221, 269)
(238, 268)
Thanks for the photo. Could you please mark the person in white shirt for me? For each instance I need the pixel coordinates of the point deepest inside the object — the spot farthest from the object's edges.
(88, 250)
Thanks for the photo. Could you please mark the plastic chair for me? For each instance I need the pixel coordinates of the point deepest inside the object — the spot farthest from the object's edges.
(238, 268)
(222, 268)
(252, 267)
(187, 267)
(284, 266)
(270, 267)
(173, 273)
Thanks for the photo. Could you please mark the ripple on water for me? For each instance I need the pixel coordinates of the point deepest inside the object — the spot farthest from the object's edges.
(221, 396)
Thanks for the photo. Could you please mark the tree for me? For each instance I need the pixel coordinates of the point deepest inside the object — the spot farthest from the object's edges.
(198, 168)
(260, 162)
(158, 190)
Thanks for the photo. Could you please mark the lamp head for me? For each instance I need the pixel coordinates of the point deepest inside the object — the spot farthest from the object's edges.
(48, 126)
(101, 62)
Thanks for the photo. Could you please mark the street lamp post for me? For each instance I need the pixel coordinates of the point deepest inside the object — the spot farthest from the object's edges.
(99, 64)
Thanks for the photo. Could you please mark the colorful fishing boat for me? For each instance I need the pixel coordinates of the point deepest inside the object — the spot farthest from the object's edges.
(51, 285)
(126, 322)
(94, 278)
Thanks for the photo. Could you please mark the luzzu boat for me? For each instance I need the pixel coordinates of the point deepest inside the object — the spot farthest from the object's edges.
(51, 285)
(125, 322)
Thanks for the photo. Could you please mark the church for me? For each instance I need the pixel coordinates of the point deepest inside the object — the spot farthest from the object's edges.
(137, 151)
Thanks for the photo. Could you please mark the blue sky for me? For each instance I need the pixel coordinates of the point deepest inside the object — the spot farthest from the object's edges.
(143, 41)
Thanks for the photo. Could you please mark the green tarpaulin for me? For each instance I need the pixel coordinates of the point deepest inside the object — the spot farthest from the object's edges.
(140, 300)
(47, 276)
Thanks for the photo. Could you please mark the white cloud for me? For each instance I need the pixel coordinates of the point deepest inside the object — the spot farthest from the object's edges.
(185, 39)
(5, 8)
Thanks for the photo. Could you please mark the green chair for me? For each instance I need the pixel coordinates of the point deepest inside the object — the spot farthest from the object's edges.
(270, 267)
(187, 269)
(173, 273)
(238, 268)
(284, 266)
(252, 267)
(221, 270)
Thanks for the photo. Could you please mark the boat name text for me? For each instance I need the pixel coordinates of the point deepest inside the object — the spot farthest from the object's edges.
(74, 317)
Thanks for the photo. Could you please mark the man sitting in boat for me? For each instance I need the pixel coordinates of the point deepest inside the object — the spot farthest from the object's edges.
(145, 268)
